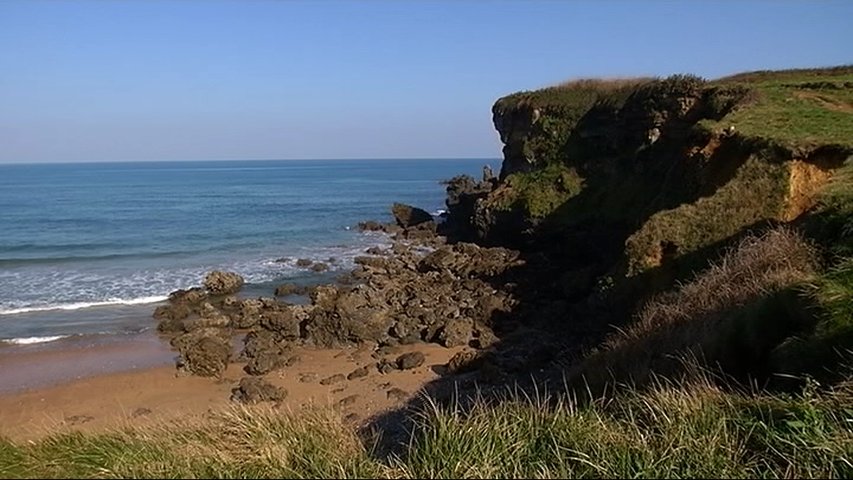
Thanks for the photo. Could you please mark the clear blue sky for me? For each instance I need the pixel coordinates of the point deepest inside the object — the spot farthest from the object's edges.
(191, 80)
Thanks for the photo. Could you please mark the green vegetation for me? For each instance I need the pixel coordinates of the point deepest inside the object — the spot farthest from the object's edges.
(795, 108)
(688, 430)
(757, 192)
(693, 430)
(540, 191)
(729, 315)
(238, 443)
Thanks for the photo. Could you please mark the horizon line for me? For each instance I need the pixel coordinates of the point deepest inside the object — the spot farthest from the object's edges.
(86, 162)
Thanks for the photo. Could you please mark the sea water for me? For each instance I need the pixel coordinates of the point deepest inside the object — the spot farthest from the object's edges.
(92, 248)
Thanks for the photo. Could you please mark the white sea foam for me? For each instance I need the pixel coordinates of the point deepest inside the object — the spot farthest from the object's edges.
(42, 290)
(79, 305)
(31, 340)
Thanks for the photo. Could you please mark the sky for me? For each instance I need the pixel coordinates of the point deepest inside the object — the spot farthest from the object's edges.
(147, 80)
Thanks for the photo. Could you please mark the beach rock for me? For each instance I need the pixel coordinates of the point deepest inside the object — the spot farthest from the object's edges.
(374, 251)
(374, 263)
(371, 226)
(247, 314)
(265, 361)
(189, 296)
(293, 360)
(456, 332)
(213, 321)
(204, 352)
(386, 366)
(397, 394)
(280, 319)
(182, 305)
(319, 267)
(254, 390)
(290, 289)
(304, 262)
(338, 377)
(410, 360)
(344, 317)
(465, 361)
(409, 216)
(171, 318)
(222, 283)
(358, 373)
(265, 351)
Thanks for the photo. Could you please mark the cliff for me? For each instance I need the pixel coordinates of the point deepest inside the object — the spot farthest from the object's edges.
(631, 175)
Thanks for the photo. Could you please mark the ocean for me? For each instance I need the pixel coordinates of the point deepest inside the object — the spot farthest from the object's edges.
(91, 249)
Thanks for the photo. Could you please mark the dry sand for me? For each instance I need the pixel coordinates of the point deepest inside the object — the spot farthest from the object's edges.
(51, 391)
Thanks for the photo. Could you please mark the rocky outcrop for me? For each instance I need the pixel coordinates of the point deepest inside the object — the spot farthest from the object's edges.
(409, 216)
(440, 294)
(222, 283)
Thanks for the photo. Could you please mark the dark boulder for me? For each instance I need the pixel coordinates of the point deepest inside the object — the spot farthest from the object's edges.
(409, 216)
(204, 352)
(254, 390)
(410, 360)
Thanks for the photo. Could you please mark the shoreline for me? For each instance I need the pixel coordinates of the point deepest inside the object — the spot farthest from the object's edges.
(27, 367)
(100, 401)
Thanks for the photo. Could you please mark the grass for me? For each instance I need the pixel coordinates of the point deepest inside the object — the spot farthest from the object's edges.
(241, 442)
(541, 191)
(729, 316)
(670, 431)
(796, 108)
(757, 192)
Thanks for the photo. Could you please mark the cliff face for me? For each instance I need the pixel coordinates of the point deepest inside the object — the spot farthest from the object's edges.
(629, 176)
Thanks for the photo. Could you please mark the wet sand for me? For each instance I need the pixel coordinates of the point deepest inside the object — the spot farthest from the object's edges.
(104, 386)
(24, 367)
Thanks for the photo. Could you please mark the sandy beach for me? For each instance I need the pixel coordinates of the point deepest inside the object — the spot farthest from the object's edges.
(133, 382)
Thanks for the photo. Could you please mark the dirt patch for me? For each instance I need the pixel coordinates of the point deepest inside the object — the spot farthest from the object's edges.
(807, 179)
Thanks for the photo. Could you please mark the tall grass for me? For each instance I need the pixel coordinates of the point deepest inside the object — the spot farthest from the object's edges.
(671, 431)
(692, 430)
(240, 442)
(729, 315)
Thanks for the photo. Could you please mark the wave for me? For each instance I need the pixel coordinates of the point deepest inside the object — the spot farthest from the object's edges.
(79, 305)
(31, 340)
(28, 261)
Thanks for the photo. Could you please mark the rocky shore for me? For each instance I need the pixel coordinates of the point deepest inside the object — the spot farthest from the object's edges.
(420, 290)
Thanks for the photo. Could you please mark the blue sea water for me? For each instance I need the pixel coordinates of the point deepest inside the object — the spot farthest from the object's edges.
(89, 249)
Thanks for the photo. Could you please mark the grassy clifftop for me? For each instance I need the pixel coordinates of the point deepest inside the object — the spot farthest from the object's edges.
(666, 167)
